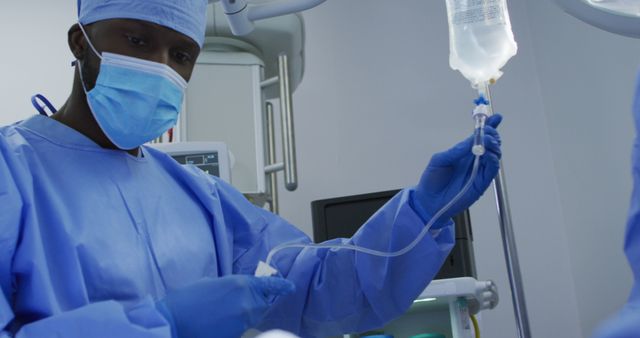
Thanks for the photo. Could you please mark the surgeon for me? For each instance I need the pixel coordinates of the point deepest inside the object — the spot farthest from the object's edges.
(101, 236)
(626, 323)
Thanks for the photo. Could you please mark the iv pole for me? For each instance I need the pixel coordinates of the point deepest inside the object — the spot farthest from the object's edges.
(509, 245)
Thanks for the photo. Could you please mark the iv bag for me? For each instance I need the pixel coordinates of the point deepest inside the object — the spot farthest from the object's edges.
(480, 39)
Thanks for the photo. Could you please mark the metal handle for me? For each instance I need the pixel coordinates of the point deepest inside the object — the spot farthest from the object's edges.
(271, 153)
(509, 246)
(288, 135)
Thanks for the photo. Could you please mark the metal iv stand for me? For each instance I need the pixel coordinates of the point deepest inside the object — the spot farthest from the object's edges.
(509, 245)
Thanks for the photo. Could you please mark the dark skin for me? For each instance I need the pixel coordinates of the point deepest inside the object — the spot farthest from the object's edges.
(128, 37)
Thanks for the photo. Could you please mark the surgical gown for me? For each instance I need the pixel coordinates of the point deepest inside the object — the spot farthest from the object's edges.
(90, 238)
(626, 324)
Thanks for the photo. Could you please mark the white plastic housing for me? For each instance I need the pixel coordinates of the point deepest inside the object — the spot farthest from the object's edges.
(601, 14)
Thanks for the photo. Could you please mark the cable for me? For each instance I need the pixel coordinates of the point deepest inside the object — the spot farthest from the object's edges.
(476, 327)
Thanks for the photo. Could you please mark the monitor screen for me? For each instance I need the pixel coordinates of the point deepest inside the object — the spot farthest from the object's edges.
(207, 162)
(341, 217)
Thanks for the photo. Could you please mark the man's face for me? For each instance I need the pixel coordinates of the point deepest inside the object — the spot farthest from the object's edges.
(135, 38)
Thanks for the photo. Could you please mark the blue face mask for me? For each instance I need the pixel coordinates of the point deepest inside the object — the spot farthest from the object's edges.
(134, 101)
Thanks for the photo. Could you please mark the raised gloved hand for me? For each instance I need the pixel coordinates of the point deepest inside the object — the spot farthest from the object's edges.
(223, 307)
(449, 171)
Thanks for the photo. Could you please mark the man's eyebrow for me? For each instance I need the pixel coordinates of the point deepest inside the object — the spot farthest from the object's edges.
(187, 43)
(136, 24)
(177, 39)
(181, 39)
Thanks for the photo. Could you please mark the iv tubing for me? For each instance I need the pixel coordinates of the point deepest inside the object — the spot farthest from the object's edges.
(478, 148)
(480, 114)
(476, 327)
(427, 227)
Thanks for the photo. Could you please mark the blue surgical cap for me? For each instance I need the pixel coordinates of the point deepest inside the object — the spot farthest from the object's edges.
(188, 17)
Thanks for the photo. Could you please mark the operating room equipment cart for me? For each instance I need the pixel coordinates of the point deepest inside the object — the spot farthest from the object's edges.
(444, 307)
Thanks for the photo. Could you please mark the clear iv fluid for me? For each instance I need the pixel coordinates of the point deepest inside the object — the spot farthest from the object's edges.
(481, 40)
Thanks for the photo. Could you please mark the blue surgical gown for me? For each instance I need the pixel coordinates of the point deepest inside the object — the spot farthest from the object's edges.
(90, 238)
(626, 324)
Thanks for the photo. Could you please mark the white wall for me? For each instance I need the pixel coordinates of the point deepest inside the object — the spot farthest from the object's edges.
(35, 57)
(379, 98)
(587, 78)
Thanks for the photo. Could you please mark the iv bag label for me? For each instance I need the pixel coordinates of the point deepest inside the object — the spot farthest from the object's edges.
(487, 12)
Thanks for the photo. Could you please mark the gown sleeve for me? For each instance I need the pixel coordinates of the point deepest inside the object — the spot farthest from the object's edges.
(102, 319)
(625, 323)
(339, 291)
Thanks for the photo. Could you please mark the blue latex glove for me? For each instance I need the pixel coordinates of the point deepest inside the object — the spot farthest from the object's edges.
(449, 171)
(223, 307)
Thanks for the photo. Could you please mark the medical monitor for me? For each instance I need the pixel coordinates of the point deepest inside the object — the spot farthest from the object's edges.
(210, 157)
(341, 217)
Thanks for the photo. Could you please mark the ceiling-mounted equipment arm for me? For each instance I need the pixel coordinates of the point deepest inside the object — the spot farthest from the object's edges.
(241, 15)
(282, 7)
(622, 19)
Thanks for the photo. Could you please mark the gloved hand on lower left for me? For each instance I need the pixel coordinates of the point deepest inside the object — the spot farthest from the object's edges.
(222, 307)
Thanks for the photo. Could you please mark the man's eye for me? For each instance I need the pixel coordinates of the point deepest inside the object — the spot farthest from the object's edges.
(136, 40)
(182, 57)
